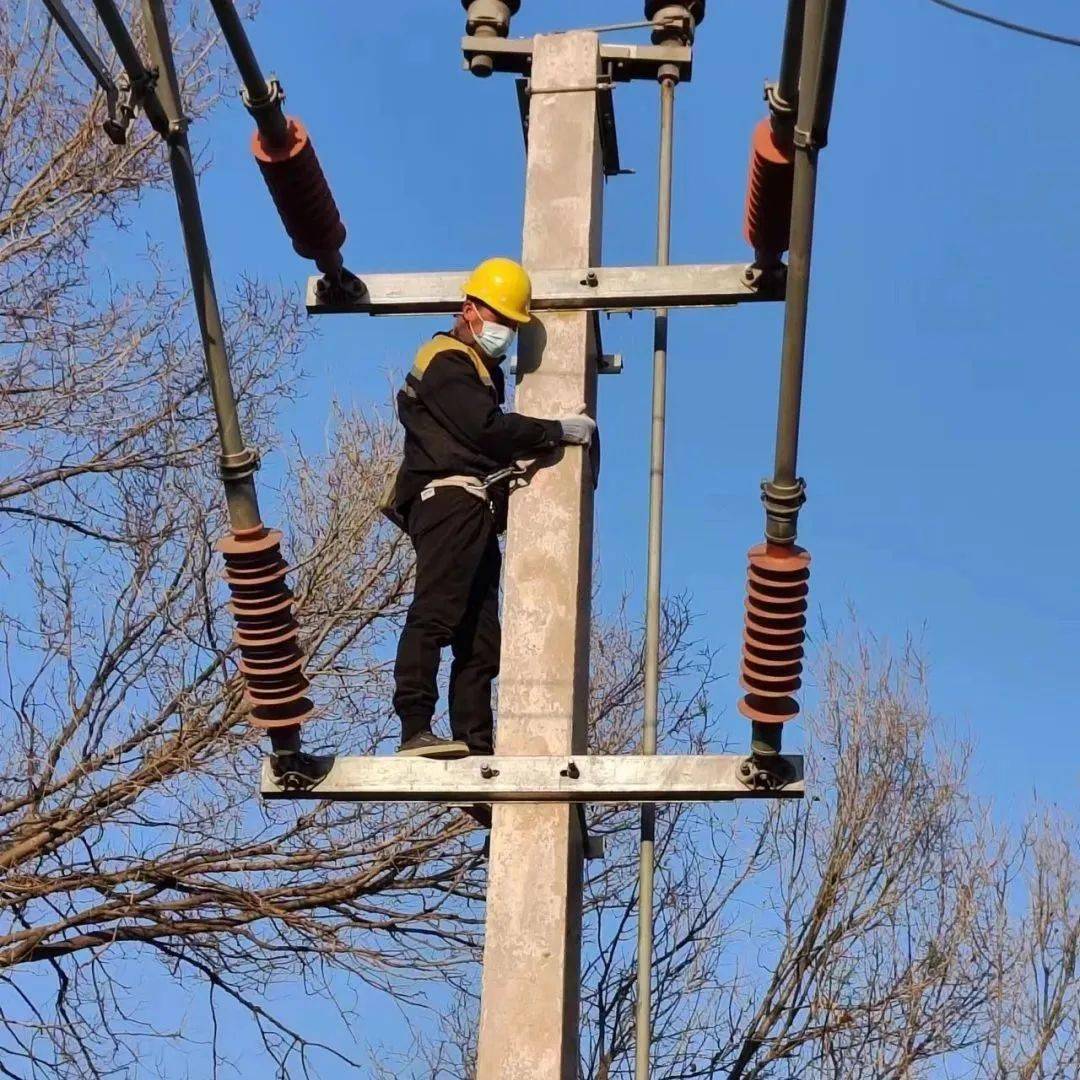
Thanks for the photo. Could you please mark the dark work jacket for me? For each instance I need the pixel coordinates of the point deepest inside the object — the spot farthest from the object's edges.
(450, 407)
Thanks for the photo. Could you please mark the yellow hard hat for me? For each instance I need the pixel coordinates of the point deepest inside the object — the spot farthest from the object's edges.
(504, 286)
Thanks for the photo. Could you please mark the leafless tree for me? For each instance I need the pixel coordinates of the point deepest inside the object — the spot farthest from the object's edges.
(132, 851)
(885, 927)
(874, 931)
(129, 840)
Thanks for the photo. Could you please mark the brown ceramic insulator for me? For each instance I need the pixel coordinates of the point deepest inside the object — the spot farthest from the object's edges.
(775, 629)
(277, 696)
(782, 610)
(782, 654)
(767, 222)
(300, 192)
(251, 577)
(266, 631)
(261, 609)
(271, 667)
(248, 639)
(774, 592)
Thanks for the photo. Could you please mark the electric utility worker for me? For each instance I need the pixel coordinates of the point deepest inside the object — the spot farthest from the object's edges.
(447, 497)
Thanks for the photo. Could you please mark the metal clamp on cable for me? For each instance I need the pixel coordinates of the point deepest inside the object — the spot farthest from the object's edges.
(121, 112)
(781, 109)
(804, 140)
(239, 466)
(674, 22)
(782, 505)
(272, 98)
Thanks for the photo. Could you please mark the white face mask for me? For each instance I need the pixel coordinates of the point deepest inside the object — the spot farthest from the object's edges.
(494, 338)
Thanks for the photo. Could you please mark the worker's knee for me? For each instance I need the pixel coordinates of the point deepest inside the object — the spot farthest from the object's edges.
(434, 622)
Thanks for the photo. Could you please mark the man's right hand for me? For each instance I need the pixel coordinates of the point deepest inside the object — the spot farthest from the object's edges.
(579, 429)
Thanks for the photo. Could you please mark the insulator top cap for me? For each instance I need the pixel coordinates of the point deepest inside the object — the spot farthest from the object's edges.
(513, 5)
(652, 7)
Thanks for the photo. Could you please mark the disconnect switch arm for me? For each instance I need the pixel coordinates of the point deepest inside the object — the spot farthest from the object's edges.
(287, 160)
(779, 571)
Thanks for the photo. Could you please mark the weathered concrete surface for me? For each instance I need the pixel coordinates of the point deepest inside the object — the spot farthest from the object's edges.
(532, 954)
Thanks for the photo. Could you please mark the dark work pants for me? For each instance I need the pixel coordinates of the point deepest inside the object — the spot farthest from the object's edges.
(455, 603)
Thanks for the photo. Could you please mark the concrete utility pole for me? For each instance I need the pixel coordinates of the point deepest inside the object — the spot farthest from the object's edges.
(529, 1017)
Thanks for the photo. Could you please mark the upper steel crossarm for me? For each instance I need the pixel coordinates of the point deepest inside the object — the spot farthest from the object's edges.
(572, 779)
(622, 62)
(575, 289)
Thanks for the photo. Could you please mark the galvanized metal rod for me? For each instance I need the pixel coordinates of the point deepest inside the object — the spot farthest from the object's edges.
(822, 32)
(263, 103)
(798, 275)
(832, 36)
(788, 83)
(236, 459)
(652, 589)
(79, 42)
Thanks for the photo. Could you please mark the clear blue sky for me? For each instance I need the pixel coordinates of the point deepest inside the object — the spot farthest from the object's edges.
(940, 428)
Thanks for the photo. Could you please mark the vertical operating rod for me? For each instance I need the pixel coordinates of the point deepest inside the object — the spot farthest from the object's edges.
(652, 589)
(263, 101)
(798, 276)
(235, 456)
(784, 494)
(788, 83)
(161, 102)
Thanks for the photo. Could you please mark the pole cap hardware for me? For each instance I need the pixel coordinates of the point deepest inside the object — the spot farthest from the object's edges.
(487, 18)
(674, 21)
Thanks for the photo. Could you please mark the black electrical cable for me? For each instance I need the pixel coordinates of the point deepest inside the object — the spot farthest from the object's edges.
(1031, 31)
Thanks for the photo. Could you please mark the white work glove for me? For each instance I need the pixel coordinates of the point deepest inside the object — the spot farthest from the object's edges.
(578, 429)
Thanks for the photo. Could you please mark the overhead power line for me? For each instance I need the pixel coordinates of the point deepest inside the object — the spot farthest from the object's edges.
(1031, 31)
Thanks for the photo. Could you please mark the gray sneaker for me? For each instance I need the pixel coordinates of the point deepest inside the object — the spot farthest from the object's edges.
(429, 745)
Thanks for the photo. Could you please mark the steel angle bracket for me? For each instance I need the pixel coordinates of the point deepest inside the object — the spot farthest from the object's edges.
(605, 117)
(578, 779)
(620, 63)
(602, 288)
